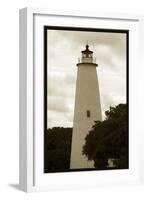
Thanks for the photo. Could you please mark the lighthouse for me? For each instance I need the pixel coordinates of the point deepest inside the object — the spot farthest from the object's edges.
(87, 108)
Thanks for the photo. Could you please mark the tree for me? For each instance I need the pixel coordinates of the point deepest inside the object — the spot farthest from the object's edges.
(58, 149)
(109, 139)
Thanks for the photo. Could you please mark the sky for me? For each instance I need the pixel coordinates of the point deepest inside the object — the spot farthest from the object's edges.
(63, 50)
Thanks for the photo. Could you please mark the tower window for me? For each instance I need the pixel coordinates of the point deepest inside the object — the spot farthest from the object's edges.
(88, 113)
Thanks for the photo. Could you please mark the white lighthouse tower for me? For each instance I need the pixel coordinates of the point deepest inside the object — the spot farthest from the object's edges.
(87, 108)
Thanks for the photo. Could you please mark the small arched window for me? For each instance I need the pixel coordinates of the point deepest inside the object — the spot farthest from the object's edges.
(88, 113)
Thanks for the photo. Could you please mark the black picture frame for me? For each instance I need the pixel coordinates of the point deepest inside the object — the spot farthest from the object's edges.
(46, 28)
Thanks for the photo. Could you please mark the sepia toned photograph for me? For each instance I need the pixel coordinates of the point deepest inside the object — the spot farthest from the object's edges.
(86, 99)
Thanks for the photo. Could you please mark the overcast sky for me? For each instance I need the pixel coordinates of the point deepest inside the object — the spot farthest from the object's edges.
(64, 49)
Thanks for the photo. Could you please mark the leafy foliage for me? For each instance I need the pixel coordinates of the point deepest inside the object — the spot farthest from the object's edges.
(109, 139)
(58, 149)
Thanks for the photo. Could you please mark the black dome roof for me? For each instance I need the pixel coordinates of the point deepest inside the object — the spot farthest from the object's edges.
(87, 51)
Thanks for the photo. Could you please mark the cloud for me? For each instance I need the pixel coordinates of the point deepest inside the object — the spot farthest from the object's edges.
(64, 49)
(58, 119)
(57, 103)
